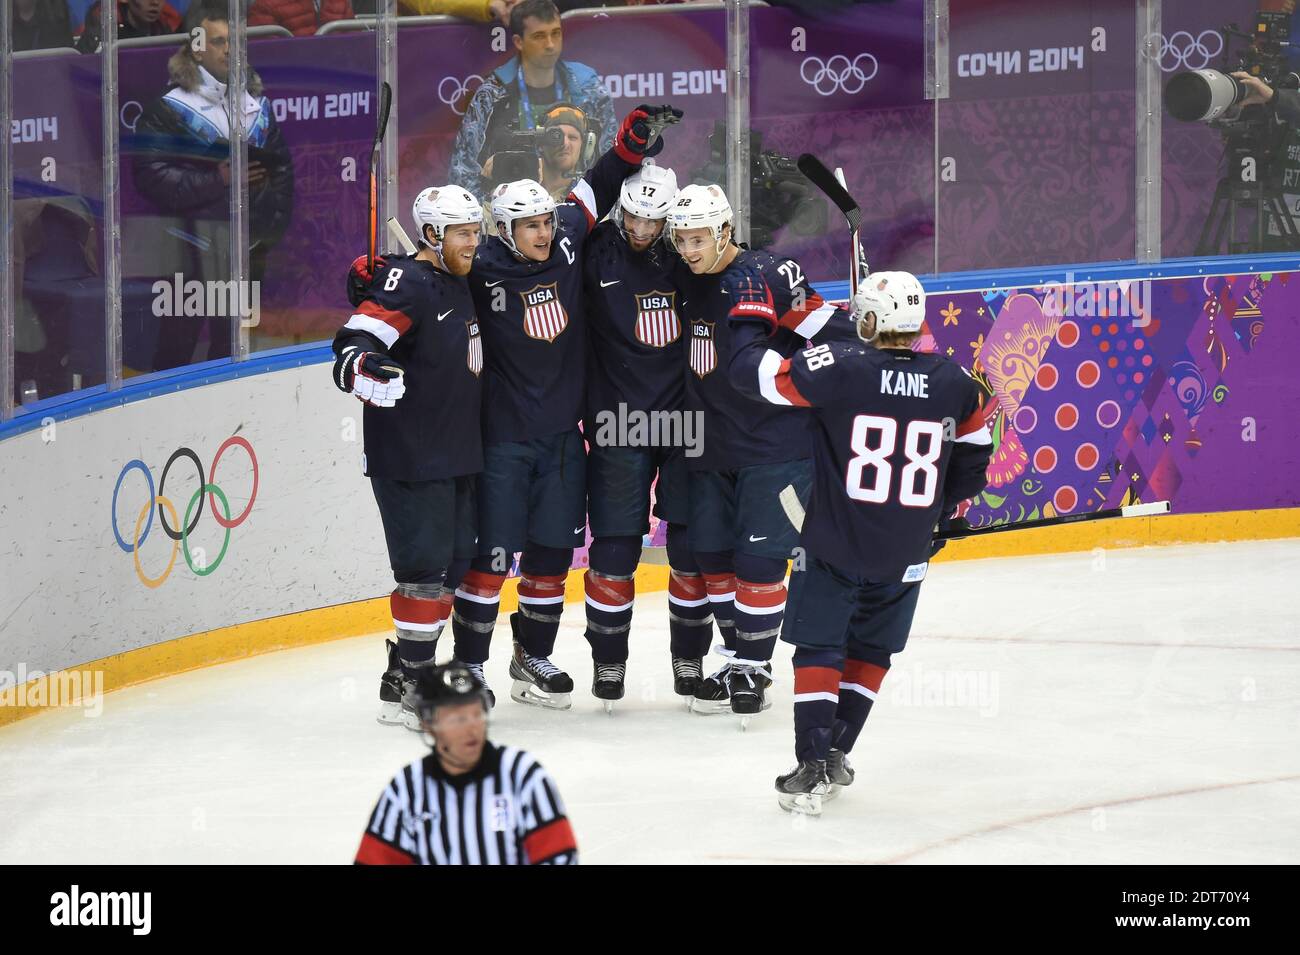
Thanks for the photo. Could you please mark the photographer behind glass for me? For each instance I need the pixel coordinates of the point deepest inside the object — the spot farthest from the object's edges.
(556, 155)
(1253, 104)
(516, 97)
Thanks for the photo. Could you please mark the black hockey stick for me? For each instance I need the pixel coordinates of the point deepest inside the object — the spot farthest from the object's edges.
(385, 103)
(825, 180)
(1132, 510)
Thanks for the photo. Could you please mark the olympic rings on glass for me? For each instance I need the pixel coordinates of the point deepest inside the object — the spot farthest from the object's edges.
(1189, 52)
(459, 89)
(178, 531)
(839, 73)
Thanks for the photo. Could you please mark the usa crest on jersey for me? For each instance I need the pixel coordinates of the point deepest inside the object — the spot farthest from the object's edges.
(656, 319)
(544, 316)
(474, 351)
(704, 354)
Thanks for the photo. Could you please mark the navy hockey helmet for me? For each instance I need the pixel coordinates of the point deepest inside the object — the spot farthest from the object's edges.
(448, 685)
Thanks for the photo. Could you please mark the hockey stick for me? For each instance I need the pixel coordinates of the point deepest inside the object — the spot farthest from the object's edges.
(1132, 510)
(385, 104)
(794, 512)
(857, 267)
(825, 180)
(398, 235)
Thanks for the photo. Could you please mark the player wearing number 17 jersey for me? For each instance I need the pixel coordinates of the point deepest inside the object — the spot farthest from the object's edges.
(899, 441)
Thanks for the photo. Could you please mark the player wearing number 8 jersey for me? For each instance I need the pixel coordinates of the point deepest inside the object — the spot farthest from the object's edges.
(899, 440)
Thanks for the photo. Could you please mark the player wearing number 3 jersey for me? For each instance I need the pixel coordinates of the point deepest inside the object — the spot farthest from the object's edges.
(899, 441)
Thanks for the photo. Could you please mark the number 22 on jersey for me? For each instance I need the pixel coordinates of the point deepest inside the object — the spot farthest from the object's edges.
(870, 472)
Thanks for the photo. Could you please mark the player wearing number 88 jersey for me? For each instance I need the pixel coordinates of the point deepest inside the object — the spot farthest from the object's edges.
(899, 441)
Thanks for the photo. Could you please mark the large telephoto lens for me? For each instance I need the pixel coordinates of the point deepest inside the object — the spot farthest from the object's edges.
(1202, 96)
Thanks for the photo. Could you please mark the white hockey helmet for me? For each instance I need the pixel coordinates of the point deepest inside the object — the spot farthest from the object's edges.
(519, 200)
(441, 206)
(649, 192)
(700, 207)
(896, 298)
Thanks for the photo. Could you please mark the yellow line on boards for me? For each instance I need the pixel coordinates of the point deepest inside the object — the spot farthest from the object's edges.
(372, 616)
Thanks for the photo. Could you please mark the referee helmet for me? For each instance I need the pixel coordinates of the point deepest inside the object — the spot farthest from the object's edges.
(449, 685)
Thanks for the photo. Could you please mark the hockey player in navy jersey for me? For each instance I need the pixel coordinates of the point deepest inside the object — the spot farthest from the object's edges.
(753, 453)
(422, 438)
(634, 380)
(899, 442)
(527, 288)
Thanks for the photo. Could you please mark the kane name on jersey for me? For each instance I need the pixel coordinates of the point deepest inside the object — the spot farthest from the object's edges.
(544, 316)
(704, 354)
(656, 319)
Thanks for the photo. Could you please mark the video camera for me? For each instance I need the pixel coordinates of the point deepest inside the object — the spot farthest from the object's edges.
(779, 193)
(1211, 96)
(1252, 140)
(519, 150)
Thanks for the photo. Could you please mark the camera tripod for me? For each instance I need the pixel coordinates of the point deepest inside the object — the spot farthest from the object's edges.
(1261, 197)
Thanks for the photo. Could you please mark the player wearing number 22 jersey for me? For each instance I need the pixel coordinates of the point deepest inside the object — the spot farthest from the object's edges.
(899, 440)
(755, 468)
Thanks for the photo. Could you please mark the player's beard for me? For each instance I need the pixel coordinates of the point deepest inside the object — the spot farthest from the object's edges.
(459, 263)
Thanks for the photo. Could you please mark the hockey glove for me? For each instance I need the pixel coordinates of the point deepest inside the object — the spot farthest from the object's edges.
(360, 278)
(374, 378)
(639, 137)
(948, 525)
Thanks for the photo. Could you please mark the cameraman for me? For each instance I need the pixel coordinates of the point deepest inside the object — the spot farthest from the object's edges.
(564, 159)
(519, 93)
(1284, 105)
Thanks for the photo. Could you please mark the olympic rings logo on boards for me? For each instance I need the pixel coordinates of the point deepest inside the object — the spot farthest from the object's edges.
(459, 89)
(180, 529)
(838, 74)
(1188, 52)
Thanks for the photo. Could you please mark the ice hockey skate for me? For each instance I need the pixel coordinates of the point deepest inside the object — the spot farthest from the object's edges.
(713, 693)
(539, 682)
(688, 673)
(607, 685)
(839, 774)
(395, 706)
(390, 689)
(747, 683)
(803, 788)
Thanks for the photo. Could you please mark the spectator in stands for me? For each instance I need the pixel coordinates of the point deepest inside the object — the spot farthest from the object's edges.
(518, 94)
(484, 11)
(299, 17)
(40, 24)
(181, 152)
(135, 18)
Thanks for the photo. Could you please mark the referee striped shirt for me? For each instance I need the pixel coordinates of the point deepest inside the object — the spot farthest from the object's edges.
(506, 811)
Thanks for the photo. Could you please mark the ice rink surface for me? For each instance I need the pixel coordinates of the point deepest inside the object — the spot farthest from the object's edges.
(1121, 706)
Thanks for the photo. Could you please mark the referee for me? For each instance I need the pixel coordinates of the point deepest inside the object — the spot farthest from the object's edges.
(468, 802)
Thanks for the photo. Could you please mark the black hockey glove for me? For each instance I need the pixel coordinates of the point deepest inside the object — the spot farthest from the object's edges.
(948, 525)
(373, 377)
(639, 137)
